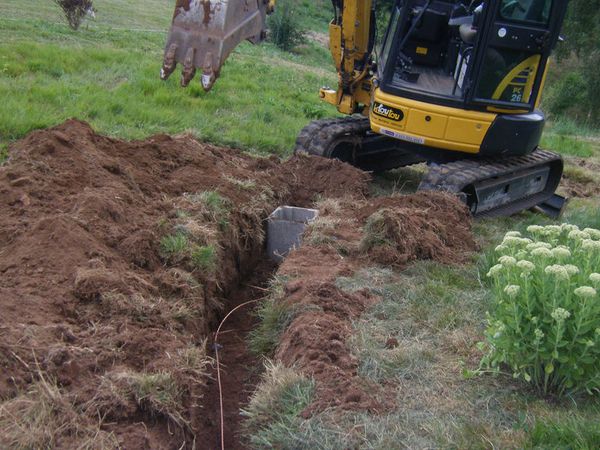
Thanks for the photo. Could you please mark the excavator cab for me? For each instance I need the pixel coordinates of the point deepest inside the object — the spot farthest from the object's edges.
(467, 76)
(488, 56)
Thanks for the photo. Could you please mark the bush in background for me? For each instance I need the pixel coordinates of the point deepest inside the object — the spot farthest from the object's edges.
(286, 29)
(574, 82)
(545, 323)
(76, 10)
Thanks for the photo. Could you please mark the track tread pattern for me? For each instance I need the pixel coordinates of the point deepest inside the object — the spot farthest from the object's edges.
(318, 136)
(455, 176)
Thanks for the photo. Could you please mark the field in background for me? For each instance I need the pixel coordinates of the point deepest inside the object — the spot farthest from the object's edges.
(107, 73)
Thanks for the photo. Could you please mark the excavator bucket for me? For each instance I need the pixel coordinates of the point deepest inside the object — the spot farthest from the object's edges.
(204, 33)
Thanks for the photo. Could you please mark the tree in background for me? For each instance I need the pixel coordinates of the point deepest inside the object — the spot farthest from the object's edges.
(575, 88)
(76, 11)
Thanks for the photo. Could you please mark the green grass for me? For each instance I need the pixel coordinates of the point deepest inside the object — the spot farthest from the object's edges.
(567, 145)
(274, 316)
(571, 139)
(174, 245)
(107, 74)
(205, 258)
(569, 432)
(315, 14)
(272, 416)
(435, 316)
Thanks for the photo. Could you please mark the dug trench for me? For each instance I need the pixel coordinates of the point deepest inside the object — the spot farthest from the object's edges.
(118, 261)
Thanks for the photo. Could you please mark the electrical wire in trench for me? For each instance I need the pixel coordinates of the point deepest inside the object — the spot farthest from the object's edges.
(216, 346)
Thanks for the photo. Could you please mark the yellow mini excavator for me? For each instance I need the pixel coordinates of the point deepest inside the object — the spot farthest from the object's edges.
(455, 84)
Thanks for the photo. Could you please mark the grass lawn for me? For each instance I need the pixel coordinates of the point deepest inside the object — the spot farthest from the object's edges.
(107, 73)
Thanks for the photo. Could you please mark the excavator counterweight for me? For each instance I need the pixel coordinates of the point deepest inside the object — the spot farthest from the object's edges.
(204, 32)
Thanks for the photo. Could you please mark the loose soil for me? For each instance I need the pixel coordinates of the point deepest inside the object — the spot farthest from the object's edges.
(91, 298)
(584, 186)
(430, 225)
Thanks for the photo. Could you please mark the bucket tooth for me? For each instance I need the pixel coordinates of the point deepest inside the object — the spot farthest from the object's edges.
(204, 32)
(169, 62)
(208, 74)
(189, 70)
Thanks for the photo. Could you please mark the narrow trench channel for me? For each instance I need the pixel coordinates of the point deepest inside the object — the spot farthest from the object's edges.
(240, 369)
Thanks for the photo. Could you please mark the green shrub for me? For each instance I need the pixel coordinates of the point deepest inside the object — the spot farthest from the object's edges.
(76, 11)
(286, 30)
(545, 321)
(568, 94)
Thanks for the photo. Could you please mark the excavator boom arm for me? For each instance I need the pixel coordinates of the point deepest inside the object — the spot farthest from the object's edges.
(204, 32)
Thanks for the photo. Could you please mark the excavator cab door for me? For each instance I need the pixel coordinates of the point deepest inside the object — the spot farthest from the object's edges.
(512, 51)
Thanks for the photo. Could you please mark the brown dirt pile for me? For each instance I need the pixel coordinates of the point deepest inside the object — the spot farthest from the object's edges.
(432, 225)
(91, 294)
(350, 234)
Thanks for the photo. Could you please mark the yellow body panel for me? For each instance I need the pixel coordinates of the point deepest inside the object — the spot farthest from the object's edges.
(429, 124)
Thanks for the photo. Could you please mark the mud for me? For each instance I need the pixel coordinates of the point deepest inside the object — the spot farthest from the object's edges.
(90, 298)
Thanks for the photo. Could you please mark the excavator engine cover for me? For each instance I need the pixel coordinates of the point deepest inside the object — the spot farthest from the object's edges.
(204, 32)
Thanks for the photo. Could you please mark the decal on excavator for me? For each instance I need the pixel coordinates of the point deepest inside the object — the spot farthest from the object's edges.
(388, 112)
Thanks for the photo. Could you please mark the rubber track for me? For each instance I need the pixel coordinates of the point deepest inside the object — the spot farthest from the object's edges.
(455, 176)
(317, 136)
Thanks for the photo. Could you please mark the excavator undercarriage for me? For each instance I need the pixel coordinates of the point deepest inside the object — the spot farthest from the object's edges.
(490, 187)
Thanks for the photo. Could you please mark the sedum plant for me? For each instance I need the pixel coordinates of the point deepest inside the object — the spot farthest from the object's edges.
(545, 321)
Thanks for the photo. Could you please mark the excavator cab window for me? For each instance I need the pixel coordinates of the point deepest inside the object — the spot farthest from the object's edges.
(471, 54)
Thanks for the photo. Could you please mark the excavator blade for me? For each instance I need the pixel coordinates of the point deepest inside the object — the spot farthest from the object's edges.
(204, 32)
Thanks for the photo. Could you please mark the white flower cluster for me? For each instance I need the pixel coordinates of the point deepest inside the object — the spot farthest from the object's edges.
(585, 292)
(555, 231)
(495, 270)
(560, 314)
(526, 266)
(578, 235)
(507, 261)
(541, 252)
(561, 252)
(595, 234)
(548, 256)
(557, 271)
(589, 244)
(512, 290)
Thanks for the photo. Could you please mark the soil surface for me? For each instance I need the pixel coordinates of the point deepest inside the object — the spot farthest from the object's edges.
(426, 225)
(586, 184)
(95, 297)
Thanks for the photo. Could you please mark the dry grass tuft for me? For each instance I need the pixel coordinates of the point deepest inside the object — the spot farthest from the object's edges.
(275, 405)
(329, 206)
(157, 394)
(44, 417)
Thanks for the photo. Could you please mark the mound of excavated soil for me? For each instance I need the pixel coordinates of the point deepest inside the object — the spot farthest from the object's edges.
(87, 295)
(352, 234)
(117, 259)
